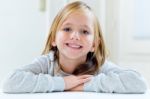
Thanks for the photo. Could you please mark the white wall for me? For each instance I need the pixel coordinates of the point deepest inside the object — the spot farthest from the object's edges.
(22, 33)
(134, 52)
(125, 49)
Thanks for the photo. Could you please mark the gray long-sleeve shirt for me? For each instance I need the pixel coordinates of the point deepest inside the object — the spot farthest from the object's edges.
(44, 75)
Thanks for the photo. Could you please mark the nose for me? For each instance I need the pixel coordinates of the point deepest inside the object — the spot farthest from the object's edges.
(75, 36)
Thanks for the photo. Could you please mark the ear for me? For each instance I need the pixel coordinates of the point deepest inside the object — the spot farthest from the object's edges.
(54, 44)
(93, 48)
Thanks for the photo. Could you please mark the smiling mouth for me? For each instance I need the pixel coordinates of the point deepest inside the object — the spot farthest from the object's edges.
(74, 46)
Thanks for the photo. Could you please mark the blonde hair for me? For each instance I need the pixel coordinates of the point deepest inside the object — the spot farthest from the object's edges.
(95, 59)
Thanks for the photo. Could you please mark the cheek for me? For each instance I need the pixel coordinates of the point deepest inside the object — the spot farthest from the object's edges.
(59, 37)
(90, 41)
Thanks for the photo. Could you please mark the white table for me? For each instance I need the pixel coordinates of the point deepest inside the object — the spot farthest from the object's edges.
(74, 95)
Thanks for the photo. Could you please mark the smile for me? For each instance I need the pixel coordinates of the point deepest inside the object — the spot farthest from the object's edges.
(74, 46)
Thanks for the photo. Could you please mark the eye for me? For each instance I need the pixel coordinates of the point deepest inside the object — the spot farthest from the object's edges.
(67, 29)
(85, 32)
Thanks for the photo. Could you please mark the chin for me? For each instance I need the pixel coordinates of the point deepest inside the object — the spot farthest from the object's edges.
(74, 56)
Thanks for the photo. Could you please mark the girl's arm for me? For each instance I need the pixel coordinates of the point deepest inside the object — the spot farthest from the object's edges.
(33, 78)
(113, 79)
(75, 83)
(77, 88)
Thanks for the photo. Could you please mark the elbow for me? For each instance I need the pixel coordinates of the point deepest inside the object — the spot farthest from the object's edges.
(10, 83)
(6, 88)
(141, 86)
(135, 83)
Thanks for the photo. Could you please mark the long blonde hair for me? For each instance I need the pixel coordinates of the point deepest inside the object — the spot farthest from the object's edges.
(94, 59)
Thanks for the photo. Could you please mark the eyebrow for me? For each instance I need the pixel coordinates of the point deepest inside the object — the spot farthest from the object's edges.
(66, 24)
(80, 25)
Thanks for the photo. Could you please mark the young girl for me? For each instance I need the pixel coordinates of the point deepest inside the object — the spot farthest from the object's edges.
(74, 59)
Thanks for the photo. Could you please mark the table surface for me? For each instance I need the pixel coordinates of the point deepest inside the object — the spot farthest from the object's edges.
(74, 95)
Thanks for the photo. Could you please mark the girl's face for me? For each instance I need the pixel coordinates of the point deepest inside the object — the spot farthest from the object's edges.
(75, 37)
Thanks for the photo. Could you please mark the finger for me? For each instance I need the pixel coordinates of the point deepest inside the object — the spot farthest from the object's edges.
(81, 81)
(84, 76)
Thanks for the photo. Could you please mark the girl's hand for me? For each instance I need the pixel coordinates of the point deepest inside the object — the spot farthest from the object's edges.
(77, 88)
(74, 81)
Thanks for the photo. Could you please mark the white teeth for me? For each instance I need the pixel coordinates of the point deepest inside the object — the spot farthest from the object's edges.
(74, 45)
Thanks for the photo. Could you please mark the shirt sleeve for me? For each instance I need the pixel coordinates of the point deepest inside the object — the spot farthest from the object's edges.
(33, 78)
(113, 79)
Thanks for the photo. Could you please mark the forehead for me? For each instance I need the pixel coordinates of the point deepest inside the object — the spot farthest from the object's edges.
(82, 18)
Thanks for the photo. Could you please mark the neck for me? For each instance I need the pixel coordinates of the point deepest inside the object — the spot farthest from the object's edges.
(69, 65)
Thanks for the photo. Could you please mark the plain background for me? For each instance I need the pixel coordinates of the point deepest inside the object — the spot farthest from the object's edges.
(24, 25)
